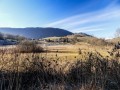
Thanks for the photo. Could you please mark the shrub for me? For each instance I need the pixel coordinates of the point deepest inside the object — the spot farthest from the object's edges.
(29, 47)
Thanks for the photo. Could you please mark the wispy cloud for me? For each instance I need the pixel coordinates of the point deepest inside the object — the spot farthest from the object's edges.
(89, 28)
(83, 22)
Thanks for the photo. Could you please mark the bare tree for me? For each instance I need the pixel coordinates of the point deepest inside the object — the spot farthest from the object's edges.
(117, 33)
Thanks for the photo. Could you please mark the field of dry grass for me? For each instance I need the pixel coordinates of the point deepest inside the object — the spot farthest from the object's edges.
(72, 67)
(60, 53)
(73, 50)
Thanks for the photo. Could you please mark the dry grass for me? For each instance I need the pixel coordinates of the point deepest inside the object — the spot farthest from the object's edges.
(73, 67)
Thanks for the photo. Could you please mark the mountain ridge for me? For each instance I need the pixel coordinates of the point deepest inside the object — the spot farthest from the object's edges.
(36, 32)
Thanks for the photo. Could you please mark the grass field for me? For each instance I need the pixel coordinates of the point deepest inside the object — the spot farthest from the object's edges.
(72, 67)
(60, 53)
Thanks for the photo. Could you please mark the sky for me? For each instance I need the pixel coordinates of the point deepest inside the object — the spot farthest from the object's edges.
(100, 18)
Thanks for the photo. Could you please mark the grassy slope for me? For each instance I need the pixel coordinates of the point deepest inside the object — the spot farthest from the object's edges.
(114, 40)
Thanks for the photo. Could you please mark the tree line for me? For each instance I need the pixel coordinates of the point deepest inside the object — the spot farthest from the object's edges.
(11, 37)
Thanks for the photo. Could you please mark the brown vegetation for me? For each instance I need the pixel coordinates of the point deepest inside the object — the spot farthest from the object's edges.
(29, 71)
(29, 47)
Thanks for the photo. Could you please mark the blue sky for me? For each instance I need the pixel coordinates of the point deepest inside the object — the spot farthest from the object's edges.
(97, 17)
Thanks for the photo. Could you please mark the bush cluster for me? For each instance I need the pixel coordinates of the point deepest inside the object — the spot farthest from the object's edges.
(29, 47)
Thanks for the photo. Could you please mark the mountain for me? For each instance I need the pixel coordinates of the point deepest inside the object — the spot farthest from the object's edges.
(37, 32)
(83, 34)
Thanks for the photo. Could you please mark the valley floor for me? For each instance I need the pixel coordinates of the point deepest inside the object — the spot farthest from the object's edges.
(64, 67)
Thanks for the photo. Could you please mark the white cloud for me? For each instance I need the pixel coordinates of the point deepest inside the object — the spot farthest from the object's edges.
(80, 21)
(88, 30)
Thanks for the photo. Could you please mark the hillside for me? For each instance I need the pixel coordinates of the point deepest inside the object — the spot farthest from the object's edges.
(81, 34)
(114, 40)
(79, 38)
(37, 32)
